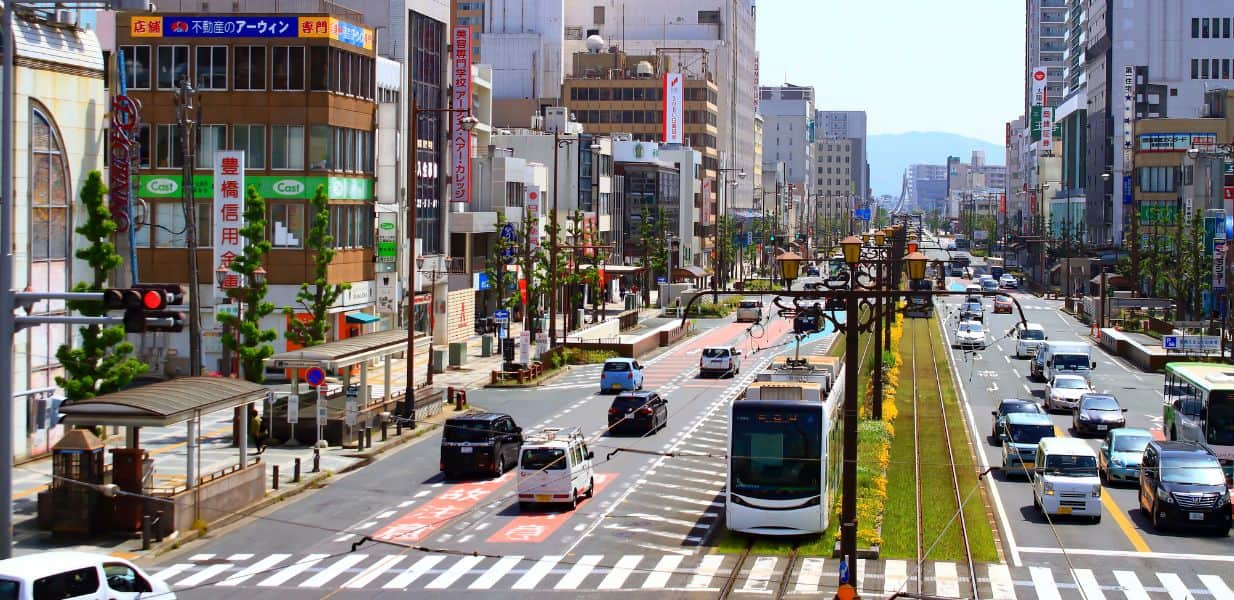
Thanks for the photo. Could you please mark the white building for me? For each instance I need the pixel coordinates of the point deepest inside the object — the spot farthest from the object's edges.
(788, 131)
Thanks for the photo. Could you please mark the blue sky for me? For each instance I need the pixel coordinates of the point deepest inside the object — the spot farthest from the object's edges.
(912, 65)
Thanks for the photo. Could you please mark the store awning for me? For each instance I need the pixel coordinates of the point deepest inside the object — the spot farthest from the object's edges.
(690, 271)
(362, 318)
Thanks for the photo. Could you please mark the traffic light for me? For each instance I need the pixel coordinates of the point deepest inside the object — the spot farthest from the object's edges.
(145, 302)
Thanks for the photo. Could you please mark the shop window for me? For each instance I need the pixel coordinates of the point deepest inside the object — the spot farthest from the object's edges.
(173, 66)
(287, 225)
(169, 153)
(136, 67)
(319, 68)
(211, 67)
(320, 142)
(287, 147)
(250, 72)
(170, 227)
(143, 145)
(252, 140)
(210, 139)
(287, 64)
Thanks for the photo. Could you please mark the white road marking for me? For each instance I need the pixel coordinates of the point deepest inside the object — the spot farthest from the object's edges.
(620, 572)
(495, 573)
(327, 574)
(537, 572)
(946, 580)
(459, 569)
(895, 576)
(707, 570)
(418, 568)
(579, 572)
(1174, 586)
(203, 575)
(1002, 587)
(172, 571)
(1088, 585)
(760, 574)
(286, 573)
(1043, 582)
(658, 578)
(379, 568)
(1219, 589)
(260, 566)
(1131, 585)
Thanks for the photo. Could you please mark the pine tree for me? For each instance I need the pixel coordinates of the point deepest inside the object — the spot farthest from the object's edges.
(101, 364)
(317, 297)
(254, 347)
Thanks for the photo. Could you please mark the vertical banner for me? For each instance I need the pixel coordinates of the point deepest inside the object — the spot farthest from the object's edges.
(1002, 204)
(1047, 129)
(1219, 262)
(460, 143)
(533, 208)
(1128, 116)
(1038, 87)
(228, 215)
(674, 106)
(387, 241)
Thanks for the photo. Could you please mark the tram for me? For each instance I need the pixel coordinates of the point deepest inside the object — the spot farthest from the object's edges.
(1199, 407)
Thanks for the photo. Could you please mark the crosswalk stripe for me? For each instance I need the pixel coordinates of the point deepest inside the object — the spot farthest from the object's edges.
(367, 576)
(414, 572)
(1001, 585)
(295, 568)
(760, 574)
(809, 575)
(460, 568)
(659, 519)
(172, 571)
(861, 574)
(946, 580)
(537, 572)
(203, 575)
(1088, 584)
(1131, 585)
(495, 573)
(1219, 589)
(334, 570)
(707, 570)
(620, 572)
(248, 572)
(895, 576)
(1174, 586)
(1043, 582)
(578, 572)
(658, 578)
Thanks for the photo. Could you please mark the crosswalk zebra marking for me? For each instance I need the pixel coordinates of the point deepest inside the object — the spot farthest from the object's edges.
(707, 570)
(575, 576)
(367, 576)
(203, 575)
(663, 570)
(895, 576)
(1217, 586)
(334, 570)
(1131, 585)
(286, 573)
(1174, 586)
(172, 571)
(1043, 581)
(248, 572)
(456, 571)
(809, 575)
(946, 580)
(760, 574)
(618, 575)
(418, 568)
(495, 573)
(537, 572)
(1002, 587)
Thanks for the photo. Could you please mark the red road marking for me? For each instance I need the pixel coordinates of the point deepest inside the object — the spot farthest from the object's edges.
(418, 524)
(538, 527)
(1158, 434)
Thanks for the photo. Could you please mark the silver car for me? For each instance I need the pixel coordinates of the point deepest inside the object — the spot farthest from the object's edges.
(750, 310)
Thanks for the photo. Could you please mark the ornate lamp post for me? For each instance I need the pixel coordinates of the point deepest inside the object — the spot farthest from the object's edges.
(221, 274)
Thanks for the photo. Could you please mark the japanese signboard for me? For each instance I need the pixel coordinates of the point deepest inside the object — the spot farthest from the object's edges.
(249, 26)
(1039, 76)
(228, 214)
(533, 209)
(1047, 128)
(287, 187)
(387, 238)
(460, 140)
(1219, 263)
(1174, 142)
(674, 107)
(124, 124)
(1128, 116)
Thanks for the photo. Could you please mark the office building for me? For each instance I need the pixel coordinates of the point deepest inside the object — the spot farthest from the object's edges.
(847, 125)
(788, 131)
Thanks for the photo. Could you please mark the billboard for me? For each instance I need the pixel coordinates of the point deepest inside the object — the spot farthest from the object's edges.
(1039, 77)
(249, 26)
(1047, 129)
(674, 108)
(460, 137)
(228, 215)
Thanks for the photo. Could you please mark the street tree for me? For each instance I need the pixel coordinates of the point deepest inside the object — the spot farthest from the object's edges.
(496, 262)
(253, 342)
(653, 251)
(316, 297)
(102, 362)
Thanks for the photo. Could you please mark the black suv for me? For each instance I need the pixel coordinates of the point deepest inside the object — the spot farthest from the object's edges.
(480, 443)
(643, 411)
(1182, 485)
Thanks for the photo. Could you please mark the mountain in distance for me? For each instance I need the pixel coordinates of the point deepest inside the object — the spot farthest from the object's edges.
(891, 153)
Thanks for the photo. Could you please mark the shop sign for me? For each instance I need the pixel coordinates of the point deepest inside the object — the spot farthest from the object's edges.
(460, 137)
(247, 26)
(387, 238)
(228, 216)
(1174, 142)
(270, 187)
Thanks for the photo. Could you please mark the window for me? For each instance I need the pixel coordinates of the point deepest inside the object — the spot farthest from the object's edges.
(173, 66)
(1195, 69)
(209, 139)
(50, 228)
(136, 67)
(319, 71)
(1203, 68)
(1225, 27)
(287, 147)
(211, 66)
(168, 147)
(250, 73)
(169, 223)
(1225, 68)
(143, 146)
(1195, 27)
(1157, 179)
(286, 225)
(287, 63)
(320, 143)
(1204, 28)
(252, 140)
(123, 578)
(70, 584)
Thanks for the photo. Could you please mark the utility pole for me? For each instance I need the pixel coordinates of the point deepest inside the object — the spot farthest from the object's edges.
(186, 109)
(7, 210)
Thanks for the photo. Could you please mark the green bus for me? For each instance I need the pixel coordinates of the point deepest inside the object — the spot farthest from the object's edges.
(1199, 407)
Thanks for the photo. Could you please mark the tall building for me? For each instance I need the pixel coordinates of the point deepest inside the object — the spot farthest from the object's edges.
(849, 125)
(926, 187)
(788, 131)
(470, 13)
(1045, 45)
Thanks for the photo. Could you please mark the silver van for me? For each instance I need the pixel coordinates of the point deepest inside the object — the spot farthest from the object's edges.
(750, 311)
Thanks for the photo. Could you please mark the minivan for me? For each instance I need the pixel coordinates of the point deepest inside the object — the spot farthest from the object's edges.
(1065, 480)
(750, 311)
(1021, 432)
(719, 360)
(1182, 485)
(1029, 338)
(555, 467)
(479, 443)
(83, 575)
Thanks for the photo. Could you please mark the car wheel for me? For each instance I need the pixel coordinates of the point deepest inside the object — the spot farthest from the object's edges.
(1037, 505)
(573, 499)
(1097, 519)
(1156, 519)
(591, 488)
(1224, 531)
(499, 465)
(1104, 476)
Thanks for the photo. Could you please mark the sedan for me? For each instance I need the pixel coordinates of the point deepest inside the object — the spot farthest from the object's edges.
(1064, 391)
(1002, 304)
(970, 335)
(1009, 282)
(1119, 457)
(1097, 413)
(1006, 407)
(640, 412)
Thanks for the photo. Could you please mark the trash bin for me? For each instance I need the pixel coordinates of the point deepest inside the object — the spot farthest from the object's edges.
(486, 346)
(438, 360)
(507, 349)
(579, 316)
(631, 301)
(458, 354)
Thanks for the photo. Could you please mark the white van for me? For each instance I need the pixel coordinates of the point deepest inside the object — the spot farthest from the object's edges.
(1029, 338)
(750, 310)
(1066, 357)
(1065, 480)
(554, 467)
(719, 360)
(77, 575)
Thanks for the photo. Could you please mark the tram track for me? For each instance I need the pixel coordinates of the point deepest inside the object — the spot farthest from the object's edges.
(789, 565)
(731, 581)
(920, 537)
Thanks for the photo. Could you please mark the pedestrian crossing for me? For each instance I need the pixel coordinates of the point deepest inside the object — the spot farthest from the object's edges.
(578, 377)
(757, 575)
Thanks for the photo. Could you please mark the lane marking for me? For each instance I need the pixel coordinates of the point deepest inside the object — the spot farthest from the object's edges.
(379, 568)
(1043, 582)
(1132, 588)
(459, 569)
(418, 568)
(662, 571)
(1225, 558)
(537, 572)
(296, 568)
(619, 573)
(706, 571)
(334, 570)
(579, 572)
(1088, 585)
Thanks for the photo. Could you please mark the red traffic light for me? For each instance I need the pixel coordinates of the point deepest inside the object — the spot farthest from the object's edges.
(153, 300)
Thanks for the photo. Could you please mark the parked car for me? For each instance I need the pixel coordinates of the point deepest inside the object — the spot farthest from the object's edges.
(1064, 391)
(719, 360)
(555, 467)
(1097, 413)
(1120, 454)
(1182, 485)
(642, 412)
(1019, 438)
(1065, 481)
(621, 374)
(86, 575)
(1009, 282)
(1028, 339)
(972, 311)
(479, 443)
(750, 310)
(970, 335)
(1002, 304)
(1007, 407)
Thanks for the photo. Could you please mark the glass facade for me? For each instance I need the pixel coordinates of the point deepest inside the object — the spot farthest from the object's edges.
(427, 71)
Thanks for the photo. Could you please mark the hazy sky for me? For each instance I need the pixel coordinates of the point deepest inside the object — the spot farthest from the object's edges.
(912, 65)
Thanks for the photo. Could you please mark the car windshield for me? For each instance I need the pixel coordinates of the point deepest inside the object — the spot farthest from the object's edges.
(970, 328)
(1130, 443)
(1069, 465)
(775, 452)
(468, 431)
(1203, 470)
(715, 352)
(972, 306)
(1069, 383)
(617, 366)
(543, 459)
(1220, 418)
(1070, 361)
(1018, 407)
(1101, 403)
(1030, 434)
(626, 403)
(749, 304)
(1032, 334)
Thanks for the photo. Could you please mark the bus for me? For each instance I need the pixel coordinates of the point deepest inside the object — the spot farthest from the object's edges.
(1199, 407)
(785, 442)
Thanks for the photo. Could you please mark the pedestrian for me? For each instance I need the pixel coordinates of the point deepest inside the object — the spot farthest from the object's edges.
(260, 437)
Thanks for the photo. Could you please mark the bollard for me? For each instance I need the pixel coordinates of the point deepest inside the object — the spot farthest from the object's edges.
(460, 400)
(146, 531)
(449, 394)
(316, 460)
(295, 478)
(359, 439)
(398, 428)
(276, 477)
(384, 427)
(368, 436)
(158, 526)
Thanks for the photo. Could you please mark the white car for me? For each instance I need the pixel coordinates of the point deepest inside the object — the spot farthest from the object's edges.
(1065, 480)
(1029, 337)
(555, 467)
(719, 360)
(1064, 391)
(1008, 281)
(970, 335)
(77, 575)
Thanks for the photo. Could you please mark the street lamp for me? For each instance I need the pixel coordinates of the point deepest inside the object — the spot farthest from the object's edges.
(851, 246)
(790, 266)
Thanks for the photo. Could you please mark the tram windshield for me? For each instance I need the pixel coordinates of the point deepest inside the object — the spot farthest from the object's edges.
(776, 452)
(1220, 418)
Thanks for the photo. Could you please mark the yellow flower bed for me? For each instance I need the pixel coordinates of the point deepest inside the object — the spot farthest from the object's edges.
(874, 453)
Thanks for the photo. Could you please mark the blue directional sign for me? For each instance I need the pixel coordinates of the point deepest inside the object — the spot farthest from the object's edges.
(862, 214)
(844, 571)
(1169, 342)
(501, 314)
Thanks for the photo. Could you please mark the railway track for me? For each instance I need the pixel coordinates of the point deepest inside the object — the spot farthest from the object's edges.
(731, 580)
(917, 468)
(790, 564)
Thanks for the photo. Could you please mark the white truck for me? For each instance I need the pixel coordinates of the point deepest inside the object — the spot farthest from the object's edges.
(1064, 357)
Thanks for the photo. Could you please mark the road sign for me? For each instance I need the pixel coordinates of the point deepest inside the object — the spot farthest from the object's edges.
(351, 412)
(353, 391)
(293, 409)
(322, 392)
(501, 315)
(862, 214)
(1191, 343)
(315, 376)
(844, 570)
(660, 279)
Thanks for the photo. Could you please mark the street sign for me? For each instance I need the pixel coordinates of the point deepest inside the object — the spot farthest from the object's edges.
(660, 279)
(862, 214)
(350, 415)
(293, 409)
(844, 570)
(315, 376)
(1191, 343)
(353, 391)
(501, 315)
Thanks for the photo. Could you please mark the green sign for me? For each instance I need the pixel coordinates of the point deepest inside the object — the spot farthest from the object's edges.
(270, 187)
(1158, 214)
(1034, 123)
